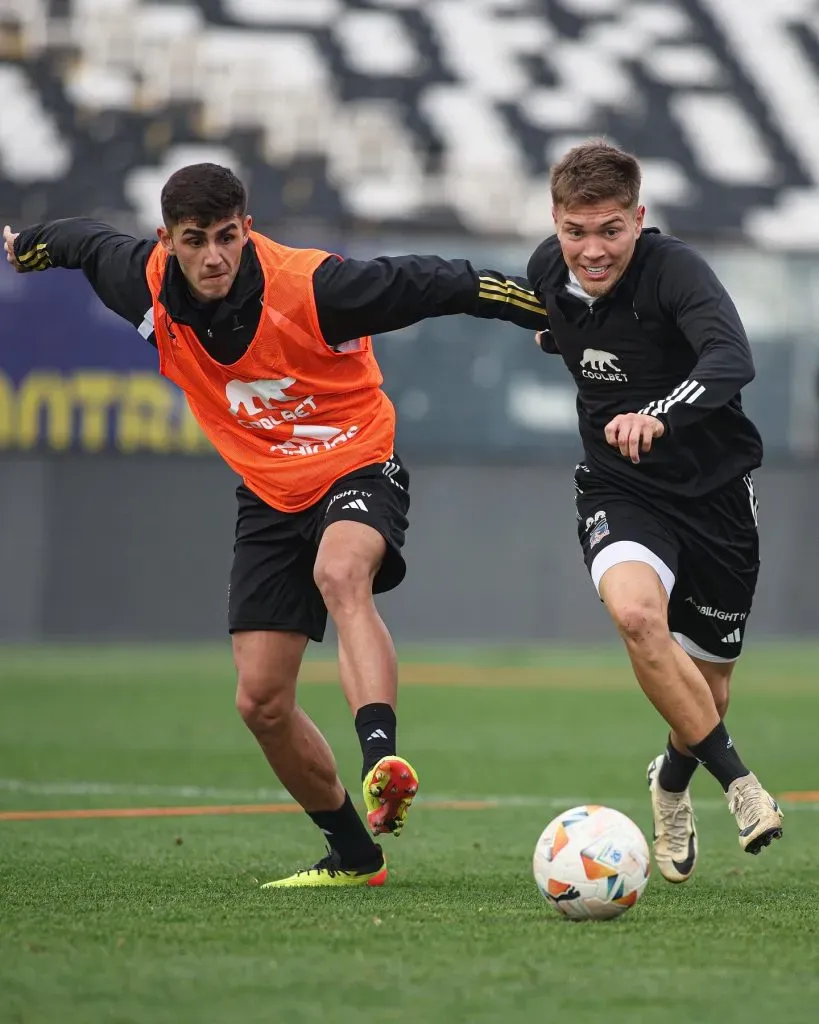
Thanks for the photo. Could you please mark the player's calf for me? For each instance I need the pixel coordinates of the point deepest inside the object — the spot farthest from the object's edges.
(636, 599)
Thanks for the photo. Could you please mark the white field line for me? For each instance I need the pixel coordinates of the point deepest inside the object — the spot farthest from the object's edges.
(126, 789)
(261, 795)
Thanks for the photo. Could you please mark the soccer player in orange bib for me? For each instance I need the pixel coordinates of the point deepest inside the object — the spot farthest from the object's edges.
(271, 346)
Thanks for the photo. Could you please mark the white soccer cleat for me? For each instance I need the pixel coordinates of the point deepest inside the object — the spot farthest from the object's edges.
(758, 816)
(675, 835)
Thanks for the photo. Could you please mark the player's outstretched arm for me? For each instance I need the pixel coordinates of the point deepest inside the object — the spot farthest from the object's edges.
(114, 263)
(355, 298)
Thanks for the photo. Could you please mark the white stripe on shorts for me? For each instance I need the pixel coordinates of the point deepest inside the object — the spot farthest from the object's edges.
(695, 651)
(630, 551)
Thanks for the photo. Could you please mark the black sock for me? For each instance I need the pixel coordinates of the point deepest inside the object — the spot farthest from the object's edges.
(375, 725)
(717, 754)
(677, 769)
(346, 833)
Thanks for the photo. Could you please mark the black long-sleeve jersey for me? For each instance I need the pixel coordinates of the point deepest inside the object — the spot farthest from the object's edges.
(353, 298)
(667, 341)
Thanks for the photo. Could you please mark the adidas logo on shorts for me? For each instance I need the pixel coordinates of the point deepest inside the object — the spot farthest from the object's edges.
(357, 503)
(732, 638)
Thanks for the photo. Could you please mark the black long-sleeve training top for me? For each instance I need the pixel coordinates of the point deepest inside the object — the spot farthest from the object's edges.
(353, 297)
(667, 341)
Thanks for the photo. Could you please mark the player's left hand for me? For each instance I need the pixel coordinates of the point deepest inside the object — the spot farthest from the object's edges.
(9, 237)
(633, 432)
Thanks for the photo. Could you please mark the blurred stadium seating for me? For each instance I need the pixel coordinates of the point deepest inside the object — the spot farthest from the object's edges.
(436, 114)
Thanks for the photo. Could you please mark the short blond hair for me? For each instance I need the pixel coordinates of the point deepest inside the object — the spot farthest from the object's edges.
(594, 172)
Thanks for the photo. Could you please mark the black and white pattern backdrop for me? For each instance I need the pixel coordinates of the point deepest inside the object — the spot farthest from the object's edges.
(430, 114)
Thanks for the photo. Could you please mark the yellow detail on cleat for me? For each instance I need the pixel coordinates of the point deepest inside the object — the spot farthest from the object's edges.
(328, 873)
(389, 789)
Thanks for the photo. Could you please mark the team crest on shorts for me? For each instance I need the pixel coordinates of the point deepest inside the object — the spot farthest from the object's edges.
(597, 527)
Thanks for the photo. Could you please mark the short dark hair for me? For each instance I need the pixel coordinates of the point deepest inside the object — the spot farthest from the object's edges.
(594, 172)
(203, 193)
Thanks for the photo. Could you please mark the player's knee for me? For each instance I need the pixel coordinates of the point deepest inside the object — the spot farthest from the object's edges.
(264, 706)
(342, 581)
(641, 623)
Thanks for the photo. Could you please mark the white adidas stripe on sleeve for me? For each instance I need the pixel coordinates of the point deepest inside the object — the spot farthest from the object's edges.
(689, 391)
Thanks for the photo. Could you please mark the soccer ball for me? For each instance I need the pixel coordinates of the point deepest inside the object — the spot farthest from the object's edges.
(591, 863)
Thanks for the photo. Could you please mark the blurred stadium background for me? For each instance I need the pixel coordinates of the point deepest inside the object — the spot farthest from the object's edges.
(373, 127)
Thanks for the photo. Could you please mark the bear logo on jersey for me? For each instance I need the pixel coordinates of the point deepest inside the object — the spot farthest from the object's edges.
(246, 393)
(599, 365)
(599, 360)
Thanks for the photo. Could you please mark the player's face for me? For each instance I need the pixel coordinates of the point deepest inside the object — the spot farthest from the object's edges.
(209, 257)
(598, 241)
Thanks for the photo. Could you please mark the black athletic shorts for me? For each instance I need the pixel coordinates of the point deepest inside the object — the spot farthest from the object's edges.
(705, 550)
(271, 581)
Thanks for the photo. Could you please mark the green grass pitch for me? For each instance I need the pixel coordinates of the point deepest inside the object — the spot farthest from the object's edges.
(160, 918)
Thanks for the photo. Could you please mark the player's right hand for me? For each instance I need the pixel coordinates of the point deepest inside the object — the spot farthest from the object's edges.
(9, 237)
(633, 432)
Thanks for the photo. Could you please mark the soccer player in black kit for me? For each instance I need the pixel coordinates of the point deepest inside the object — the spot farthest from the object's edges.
(666, 511)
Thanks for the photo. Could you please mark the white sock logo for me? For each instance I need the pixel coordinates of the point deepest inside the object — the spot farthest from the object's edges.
(379, 734)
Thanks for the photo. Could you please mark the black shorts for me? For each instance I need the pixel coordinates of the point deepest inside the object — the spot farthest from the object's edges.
(271, 581)
(705, 550)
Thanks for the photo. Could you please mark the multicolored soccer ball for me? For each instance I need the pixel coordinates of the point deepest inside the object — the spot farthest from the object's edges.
(591, 863)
